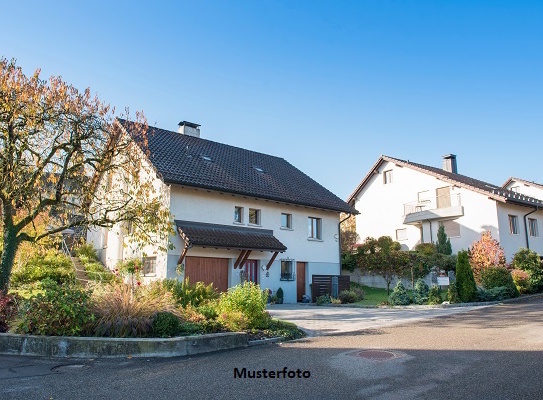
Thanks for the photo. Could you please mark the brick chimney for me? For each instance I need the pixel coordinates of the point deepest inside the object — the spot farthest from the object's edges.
(449, 163)
(189, 129)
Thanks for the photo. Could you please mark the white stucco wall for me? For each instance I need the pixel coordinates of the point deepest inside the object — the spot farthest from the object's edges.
(531, 190)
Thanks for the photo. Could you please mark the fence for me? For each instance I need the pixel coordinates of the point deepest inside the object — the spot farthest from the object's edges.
(322, 284)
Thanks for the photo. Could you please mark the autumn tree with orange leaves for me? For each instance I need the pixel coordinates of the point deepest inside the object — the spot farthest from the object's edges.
(485, 253)
(64, 157)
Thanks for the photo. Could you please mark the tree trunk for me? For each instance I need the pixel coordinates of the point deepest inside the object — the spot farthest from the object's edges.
(11, 243)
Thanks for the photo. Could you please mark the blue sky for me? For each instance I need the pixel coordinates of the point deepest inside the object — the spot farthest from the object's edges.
(327, 85)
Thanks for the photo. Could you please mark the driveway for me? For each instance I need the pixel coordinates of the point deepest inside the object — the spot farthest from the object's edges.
(319, 321)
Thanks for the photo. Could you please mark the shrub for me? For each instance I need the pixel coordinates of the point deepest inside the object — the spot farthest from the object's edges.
(498, 277)
(185, 293)
(426, 249)
(8, 309)
(165, 324)
(86, 251)
(333, 300)
(528, 260)
(496, 294)
(323, 300)
(351, 296)
(131, 266)
(52, 265)
(97, 272)
(399, 296)
(452, 294)
(62, 310)
(485, 253)
(235, 321)
(284, 329)
(123, 311)
(420, 292)
(209, 310)
(248, 299)
(279, 294)
(522, 280)
(465, 282)
(434, 295)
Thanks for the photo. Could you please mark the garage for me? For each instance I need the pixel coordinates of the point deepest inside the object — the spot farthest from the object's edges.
(208, 270)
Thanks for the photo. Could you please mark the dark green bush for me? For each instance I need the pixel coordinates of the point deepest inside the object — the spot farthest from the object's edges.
(247, 299)
(323, 300)
(420, 292)
(496, 277)
(191, 328)
(528, 260)
(284, 329)
(165, 325)
(63, 310)
(434, 295)
(86, 251)
(351, 296)
(53, 265)
(399, 296)
(452, 294)
(209, 310)
(279, 294)
(186, 293)
(465, 282)
(496, 294)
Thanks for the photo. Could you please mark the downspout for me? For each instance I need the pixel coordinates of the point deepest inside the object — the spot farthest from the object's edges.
(339, 236)
(526, 226)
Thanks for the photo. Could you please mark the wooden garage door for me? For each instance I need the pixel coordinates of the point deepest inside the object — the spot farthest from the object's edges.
(208, 270)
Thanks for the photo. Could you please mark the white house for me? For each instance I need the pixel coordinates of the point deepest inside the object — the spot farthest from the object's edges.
(239, 215)
(408, 201)
(523, 186)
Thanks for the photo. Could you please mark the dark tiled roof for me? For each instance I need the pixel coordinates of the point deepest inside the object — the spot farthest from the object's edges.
(230, 237)
(197, 162)
(493, 191)
(524, 181)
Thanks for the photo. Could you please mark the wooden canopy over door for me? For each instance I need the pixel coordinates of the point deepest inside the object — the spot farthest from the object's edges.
(208, 270)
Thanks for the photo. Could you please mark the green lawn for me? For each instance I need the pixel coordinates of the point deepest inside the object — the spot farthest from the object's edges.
(376, 296)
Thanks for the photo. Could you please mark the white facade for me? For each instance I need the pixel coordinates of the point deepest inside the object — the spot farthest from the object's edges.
(409, 205)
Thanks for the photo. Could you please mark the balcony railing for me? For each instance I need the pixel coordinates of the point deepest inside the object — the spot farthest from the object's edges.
(436, 202)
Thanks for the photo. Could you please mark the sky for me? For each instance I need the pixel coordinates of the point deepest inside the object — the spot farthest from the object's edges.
(327, 85)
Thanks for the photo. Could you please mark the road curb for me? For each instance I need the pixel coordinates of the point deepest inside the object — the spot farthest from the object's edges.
(96, 347)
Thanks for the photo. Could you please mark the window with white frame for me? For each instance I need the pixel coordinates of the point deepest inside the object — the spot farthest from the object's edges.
(238, 215)
(423, 197)
(387, 177)
(513, 224)
(532, 227)
(287, 270)
(314, 228)
(286, 221)
(452, 228)
(149, 266)
(254, 216)
(401, 234)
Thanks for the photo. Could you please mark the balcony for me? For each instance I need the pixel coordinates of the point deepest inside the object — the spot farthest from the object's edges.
(439, 207)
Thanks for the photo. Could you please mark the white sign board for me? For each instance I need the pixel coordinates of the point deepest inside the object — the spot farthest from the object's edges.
(443, 281)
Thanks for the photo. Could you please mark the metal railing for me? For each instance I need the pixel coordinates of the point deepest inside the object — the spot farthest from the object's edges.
(452, 200)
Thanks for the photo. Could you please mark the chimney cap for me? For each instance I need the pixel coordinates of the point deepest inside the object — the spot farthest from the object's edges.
(449, 155)
(189, 124)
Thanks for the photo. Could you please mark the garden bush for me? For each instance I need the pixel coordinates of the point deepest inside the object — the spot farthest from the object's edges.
(434, 295)
(8, 309)
(528, 260)
(62, 310)
(284, 329)
(86, 251)
(498, 277)
(420, 292)
(496, 294)
(186, 293)
(452, 294)
(522, 280)
(248, 299)
(465, 282)
(53, 265)
(351, 296)
(399, 296)
(323, 300)
(124, 311)
(165, 324)
(97, 272)
(235, 321)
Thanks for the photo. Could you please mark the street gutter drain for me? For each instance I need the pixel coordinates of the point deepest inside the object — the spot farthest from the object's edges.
(377, 355)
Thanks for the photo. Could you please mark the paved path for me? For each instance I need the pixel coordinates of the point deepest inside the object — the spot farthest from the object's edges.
(319, 321)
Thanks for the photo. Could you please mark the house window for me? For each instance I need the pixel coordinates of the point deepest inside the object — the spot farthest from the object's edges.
(401, 234)
(513, 224)
(532, 227)
(254, 216)
(286, 221)
(452, 228)
(423, 197)
(287, 270)
(314, 227)
(238, 214)
(387, 177)
(149, 266)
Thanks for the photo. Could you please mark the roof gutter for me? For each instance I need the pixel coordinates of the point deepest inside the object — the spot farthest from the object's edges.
(526, 226)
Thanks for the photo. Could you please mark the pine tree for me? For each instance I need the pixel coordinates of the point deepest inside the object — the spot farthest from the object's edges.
(465, 283)
(443, 245)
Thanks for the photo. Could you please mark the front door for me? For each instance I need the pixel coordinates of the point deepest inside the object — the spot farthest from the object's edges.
(300, 280)
(251, 271)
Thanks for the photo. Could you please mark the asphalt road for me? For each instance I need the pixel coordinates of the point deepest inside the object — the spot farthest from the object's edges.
(488, 353)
